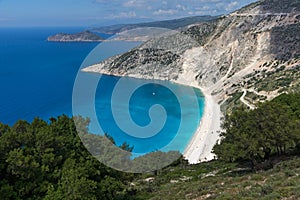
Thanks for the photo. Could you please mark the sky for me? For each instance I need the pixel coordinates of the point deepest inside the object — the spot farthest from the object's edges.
(107, 12)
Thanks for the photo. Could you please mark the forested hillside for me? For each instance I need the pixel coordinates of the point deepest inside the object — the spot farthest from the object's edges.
(47, 160)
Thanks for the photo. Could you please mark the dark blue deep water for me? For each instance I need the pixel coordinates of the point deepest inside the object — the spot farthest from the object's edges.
(36, 76)
(37, 79)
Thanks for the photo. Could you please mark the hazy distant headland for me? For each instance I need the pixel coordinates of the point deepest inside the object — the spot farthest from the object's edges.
(168, 24)
(91, 36)
(85, 36)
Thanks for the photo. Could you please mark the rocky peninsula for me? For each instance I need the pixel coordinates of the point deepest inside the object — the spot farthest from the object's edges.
(85, 36)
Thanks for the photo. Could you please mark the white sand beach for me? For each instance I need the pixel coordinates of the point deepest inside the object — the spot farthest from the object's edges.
(208, 131)
(207, 134)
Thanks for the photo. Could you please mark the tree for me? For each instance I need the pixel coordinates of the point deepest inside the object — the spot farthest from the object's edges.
(254, 135)
(74, 184)
(49, 160)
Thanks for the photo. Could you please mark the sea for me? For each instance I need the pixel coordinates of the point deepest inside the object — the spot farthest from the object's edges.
(39, 79)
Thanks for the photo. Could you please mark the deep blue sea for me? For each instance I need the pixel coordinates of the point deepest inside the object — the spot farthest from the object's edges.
(37, 80)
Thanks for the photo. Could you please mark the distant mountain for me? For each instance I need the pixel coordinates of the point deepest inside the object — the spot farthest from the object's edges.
(85, 36)
(90, 36)
(168, 24)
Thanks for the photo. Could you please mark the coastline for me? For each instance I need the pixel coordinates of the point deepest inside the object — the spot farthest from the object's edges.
(208, 131)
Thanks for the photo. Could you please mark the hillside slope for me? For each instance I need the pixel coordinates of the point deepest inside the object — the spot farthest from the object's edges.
(254, 51)
(217, 180)
(238, 60)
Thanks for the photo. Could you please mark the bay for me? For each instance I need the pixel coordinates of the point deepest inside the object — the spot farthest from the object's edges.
(37, 79)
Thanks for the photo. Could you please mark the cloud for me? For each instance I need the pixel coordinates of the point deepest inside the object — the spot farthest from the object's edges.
(106, 1)
(210, 1)
(181, 7)
(118, 9)
(203, 8)
(165, 12)
(231, 6)
(121, 15)
(135, 3)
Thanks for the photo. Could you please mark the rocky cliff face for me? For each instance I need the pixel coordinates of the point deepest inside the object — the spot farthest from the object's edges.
(85, 36)
(255, 51)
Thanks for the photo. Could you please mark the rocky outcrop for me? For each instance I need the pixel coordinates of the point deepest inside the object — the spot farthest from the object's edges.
(85, 36)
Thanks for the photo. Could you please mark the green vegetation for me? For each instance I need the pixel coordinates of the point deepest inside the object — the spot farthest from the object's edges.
(267, 138)
(41, 160)
(280, 6)
(284, 80)
(271, 129)
(232, 102)
(220, 180)
(254, 98)
(248, 7)
(285, 41)
(258, 159)
(271, 78)
(48, 160)
(145, 56)
(201, 33)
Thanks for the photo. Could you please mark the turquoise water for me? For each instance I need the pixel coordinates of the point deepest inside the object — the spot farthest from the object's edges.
(37, 79)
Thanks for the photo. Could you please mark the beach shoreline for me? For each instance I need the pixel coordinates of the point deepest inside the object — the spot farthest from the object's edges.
(199, 148)
(208, 131)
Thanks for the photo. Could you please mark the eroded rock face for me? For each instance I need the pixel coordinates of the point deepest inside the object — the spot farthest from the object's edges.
(223, 55)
